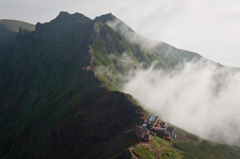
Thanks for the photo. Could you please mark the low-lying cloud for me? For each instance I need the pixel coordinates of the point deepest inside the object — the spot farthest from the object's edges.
(125, 31)
(197, 96)
(115, 73)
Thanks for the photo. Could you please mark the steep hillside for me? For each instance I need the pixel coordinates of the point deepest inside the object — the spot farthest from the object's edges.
(59, 88)
(50, 97)
(9, 30)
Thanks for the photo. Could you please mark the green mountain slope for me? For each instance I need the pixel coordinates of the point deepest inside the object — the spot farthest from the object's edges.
(48, 84)
(160, 148)
(59, 89)
(9, 30)
(115, 55)
(13, 25)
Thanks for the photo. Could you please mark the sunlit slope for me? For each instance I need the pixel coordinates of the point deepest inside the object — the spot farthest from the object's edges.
(13, 25)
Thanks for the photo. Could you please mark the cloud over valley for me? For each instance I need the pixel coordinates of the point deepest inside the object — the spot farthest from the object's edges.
(198, 96)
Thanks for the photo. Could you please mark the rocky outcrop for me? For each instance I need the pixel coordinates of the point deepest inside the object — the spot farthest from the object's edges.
(6, 36)
(24, 36)
(64, 23)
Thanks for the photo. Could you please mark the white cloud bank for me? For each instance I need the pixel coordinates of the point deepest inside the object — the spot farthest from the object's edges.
(125, 31)
(197, 96)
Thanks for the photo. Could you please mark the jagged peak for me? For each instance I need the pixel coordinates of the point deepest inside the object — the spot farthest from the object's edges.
(105, 17)
(65, 16)
(64, 19)
(23, 30)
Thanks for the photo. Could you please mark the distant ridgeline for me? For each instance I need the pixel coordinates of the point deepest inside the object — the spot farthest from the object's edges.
(59, 86)
(9, 30)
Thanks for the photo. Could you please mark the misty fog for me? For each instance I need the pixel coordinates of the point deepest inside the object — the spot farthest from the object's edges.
(201, 97)
(125, 31)
(197, 96)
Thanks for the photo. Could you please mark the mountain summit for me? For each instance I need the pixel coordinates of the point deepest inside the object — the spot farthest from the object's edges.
(51, 96)
(60, 87)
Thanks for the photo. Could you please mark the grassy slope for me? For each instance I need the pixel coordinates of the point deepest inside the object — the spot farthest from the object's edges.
(115, 57)
(13, 25)
(47, 90)
(38, 83)
(177, 149)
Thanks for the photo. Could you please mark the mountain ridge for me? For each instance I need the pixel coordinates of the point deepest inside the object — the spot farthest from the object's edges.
(9, 30)
(55, 103)
(65, 65)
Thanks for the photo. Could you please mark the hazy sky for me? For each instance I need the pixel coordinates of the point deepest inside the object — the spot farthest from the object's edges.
(210, 28)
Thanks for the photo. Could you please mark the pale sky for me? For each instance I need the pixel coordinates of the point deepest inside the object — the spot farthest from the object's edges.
(208, 27)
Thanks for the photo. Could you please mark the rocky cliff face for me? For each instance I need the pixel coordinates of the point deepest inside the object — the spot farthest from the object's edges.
(6, 36)
(63, 24)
